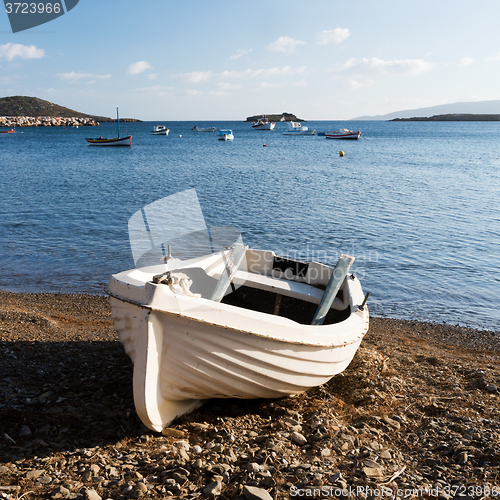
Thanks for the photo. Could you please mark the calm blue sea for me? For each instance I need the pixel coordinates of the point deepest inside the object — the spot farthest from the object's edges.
(417, 204)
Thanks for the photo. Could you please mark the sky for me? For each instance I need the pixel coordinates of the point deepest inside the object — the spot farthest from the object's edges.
(204, 60)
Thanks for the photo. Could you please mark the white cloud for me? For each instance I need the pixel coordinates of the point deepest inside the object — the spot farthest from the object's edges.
(192, 92)
(376, 66)
(338, 35)
(153, 76)
(239, 53)
(194, 76)
(356, 84)
(236, 74)
(263, 73)
(285, 44)
(493, 58)
(160, 90)
(138, 67)
(266, 85)
(10, 51)
(228, 86)
(466, 61)
(74, 77)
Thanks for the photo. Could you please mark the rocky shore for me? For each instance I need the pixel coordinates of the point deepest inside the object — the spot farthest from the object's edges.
(46, 121)
(415, 415)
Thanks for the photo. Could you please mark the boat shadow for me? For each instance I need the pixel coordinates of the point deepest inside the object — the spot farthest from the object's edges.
(63, 396)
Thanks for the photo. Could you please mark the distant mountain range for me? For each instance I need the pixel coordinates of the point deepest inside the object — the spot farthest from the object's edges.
(465, 108)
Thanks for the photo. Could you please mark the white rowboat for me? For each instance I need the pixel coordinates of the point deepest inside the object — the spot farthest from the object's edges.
(278, 333)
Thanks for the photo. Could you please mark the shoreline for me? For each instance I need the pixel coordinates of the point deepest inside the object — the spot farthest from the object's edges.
(458, 335)
(418, 408)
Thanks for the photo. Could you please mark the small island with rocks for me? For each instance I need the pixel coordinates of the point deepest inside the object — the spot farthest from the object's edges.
(288, 117)
(24, 111)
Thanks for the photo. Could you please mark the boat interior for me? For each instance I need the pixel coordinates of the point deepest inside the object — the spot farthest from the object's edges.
(269, 284)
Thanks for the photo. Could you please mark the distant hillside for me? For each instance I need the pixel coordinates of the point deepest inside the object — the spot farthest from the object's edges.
(289, 117)
(463, 108)
(450, 118)
(32, 106)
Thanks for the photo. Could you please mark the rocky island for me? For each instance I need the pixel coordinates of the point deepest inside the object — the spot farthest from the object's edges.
(23, 111)
(289, 117)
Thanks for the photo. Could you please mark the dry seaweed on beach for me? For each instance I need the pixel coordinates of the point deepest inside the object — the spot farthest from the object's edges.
(417, 410)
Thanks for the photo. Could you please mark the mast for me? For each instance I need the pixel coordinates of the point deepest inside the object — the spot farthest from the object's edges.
(118, 121)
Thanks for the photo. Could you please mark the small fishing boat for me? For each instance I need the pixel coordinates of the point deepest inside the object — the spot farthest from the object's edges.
(116, 141)
(225, 135)
(263, 123)
(11, 131)
(203, 129)
(233, 323)
(296, 128)
(160, 130)
(190, 340)
(343, 133)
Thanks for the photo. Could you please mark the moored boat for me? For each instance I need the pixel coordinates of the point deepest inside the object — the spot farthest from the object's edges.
(203, 129)
(343, 133)
(115, 141)
(263, 123)
(225, 135)
(296, 128)
(160, 130)
(236, 323)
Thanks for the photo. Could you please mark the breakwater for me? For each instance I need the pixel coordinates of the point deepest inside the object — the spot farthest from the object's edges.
(46, 121)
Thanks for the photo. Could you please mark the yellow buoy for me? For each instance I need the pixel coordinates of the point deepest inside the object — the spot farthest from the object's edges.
(341, 153)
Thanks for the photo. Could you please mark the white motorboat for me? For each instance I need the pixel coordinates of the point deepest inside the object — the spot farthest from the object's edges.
(296, 128)
(237, 323)
(225, 135)
(263, 123)
(203, 129)
(343, 133)
(160, 130)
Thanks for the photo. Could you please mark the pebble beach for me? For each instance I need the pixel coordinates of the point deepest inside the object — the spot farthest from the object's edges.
(415, 415)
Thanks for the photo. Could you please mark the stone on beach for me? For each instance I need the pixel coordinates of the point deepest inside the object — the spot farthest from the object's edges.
(431, 420)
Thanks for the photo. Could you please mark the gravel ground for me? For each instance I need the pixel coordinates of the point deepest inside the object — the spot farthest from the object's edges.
(416, 415)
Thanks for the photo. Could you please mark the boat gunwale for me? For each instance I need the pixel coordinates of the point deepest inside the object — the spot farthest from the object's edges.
(358, 337)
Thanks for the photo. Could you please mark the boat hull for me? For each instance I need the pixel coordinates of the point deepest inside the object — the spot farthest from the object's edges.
(11, 131)
(161, 132)
(225, 135)
(349, 136)
(264, 126)
(118, 141)
(188, 349)
(206, 129)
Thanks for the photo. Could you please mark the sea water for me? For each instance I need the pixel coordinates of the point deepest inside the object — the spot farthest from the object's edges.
(417, 204)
